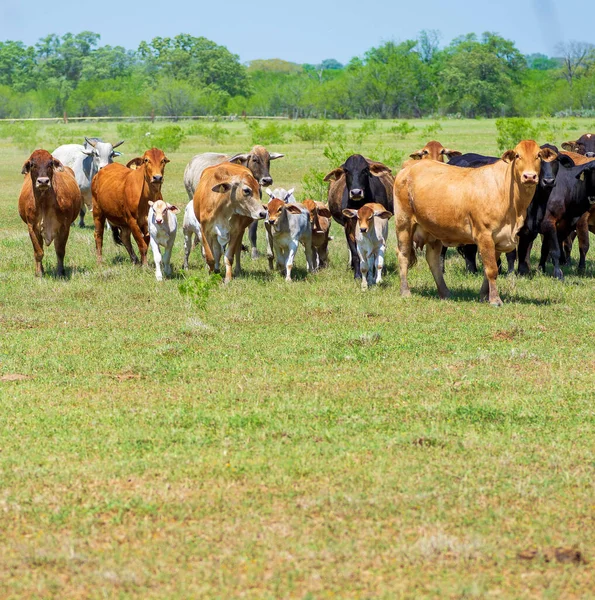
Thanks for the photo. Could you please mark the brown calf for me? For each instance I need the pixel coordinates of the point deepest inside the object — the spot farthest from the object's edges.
(320, 217)
(49, 202)
(121, 195)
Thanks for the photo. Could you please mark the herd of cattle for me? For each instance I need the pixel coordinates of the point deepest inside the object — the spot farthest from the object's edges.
(439, 198)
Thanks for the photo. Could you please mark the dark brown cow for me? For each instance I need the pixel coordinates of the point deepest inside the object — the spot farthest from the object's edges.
(585, 145)
(49, 202)
(121, 195)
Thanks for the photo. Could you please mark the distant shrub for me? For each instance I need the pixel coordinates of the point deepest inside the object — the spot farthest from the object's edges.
(431, 130)
(314, 132)
(512, 131)
(270, 133)
(143, 136)
(23, 135)
(363, 131)
(314, 185)
(403, 129)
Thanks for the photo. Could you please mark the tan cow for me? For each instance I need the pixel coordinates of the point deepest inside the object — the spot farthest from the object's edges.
(436, 204)
(320, 217)
(49, 202)
(433, 150)
(226, 201)
(121, 195)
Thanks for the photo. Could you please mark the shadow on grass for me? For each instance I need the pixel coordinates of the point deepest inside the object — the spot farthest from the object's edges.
(465, 294)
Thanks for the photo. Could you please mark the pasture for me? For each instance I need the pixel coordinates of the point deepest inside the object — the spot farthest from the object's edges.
(302, 440)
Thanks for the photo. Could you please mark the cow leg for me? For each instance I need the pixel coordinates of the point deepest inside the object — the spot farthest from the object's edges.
(433, 252)
(582, 232)
(82, 213)
(551, 246)
(309, 254)
(511, 259)
(364, 266)
(290, 256)
(443, 257)
(270, 248)
(126, 242)
(139, 237)
(188, 235)
(252, 231)
(60, 248)
(404, 252)
(99, 221)
(217, 252)
(380, 263)
(323, 256)
(350, 235)
(86, 203)
(157, 257)
(524, 252)
(235, 244)
(469, 253)
(487, 250)
(37, 241)
(167, 259)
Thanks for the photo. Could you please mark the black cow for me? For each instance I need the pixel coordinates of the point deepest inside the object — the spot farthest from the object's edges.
(535, 212)
(355, 183)
(584, 145)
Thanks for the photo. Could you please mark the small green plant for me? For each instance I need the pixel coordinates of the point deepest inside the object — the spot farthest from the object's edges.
(314, 185)
(270, 133)
(512, 131)
(198, 288)
(431, 130)
(315, 132)
(364, 130)
(403, 129)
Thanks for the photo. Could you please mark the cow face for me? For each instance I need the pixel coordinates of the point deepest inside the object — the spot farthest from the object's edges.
(244, 192)
(153, 163)
(550, 167)
(526, 161)
(320, 216)
(365, 216)
(434, 151)
(277, 212)
(41, 165)
(258, 160)
(103, 153)
(587, 174)
(585, 145)
(357, 171)
(160, 210)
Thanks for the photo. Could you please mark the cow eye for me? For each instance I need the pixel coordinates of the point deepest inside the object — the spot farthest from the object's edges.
(256, 159)
(517, 156)
(146, 160)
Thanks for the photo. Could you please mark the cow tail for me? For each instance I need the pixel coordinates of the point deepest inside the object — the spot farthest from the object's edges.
(116, 231)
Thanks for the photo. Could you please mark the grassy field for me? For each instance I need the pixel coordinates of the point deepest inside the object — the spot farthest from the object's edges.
(300, 440)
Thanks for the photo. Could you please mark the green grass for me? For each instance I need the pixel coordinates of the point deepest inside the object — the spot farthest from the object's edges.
(290, 441)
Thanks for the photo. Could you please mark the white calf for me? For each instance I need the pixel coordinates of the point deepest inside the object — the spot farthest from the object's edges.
(191, 228)
(371, 232)
(163, 226)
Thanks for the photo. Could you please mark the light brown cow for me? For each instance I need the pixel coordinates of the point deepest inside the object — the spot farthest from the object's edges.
(320, 217)
(433, 150)
(437, 204)
(121, 195)
(226, 201)
(49, 202)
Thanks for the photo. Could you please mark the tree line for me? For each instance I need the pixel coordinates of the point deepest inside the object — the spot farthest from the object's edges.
(473, 76)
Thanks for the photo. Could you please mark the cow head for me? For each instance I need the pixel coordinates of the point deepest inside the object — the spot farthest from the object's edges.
(357, 171)
(152, 162)
(244, 192)
(551, 165)
(526, 161)
(434, 151)
(258, 160)
(320, 216)
(366, 214)
(103, 153)
(585, 145)
(41, 166)
(160, 210)
(586, 173)
(277, 211)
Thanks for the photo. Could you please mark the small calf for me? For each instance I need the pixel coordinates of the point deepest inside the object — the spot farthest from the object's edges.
(289, 225)
(163, 226)
(191, 228)
(371, 231)
(320, 216)
(286, 196)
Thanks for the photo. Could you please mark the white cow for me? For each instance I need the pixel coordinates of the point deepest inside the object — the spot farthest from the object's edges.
(163, 226)
(371, 232)
(86, 160)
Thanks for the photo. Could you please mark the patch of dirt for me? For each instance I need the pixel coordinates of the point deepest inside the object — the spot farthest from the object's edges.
(15, 377)
(507, 335)
(564, 555)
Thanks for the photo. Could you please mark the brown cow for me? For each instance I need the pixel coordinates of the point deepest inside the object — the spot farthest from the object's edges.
(433, 150)
(226, 201)
(437, 204)
(49, 202)
(121, 195)
(320, 217)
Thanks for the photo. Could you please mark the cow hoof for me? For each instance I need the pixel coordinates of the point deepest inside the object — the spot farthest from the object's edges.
(159, 278)
(496, 302)
(558, 274)
(405, 293)
(255, 253)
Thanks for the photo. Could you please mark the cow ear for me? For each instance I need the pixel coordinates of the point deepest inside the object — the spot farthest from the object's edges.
(334, 175)
(323, 211)
(221, 188)
(87, 152)
(276, 155)
(116, 153)
(265, 206)
(269, 192)
(294, 209)
(383, 214)
(173, 208)
(289, 192)
(309, 204)
(565, 161)
(166, 160)
(509, 156)
(378, 169)
(588, 167)
(26, 168)
(349, 213)
(450, 153)
(240, 159)
(58, 165)
(151, 202)
(416, 155)
(570, 146)
(135, 163)
(547, 154)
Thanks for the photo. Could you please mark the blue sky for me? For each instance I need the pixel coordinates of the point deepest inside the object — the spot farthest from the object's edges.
(306, 30)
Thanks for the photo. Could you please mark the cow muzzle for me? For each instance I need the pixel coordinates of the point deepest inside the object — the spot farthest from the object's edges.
(157, 179)
(266, 181)
(590, 154)
(356, 194)
(529, 178)
(42, 182)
